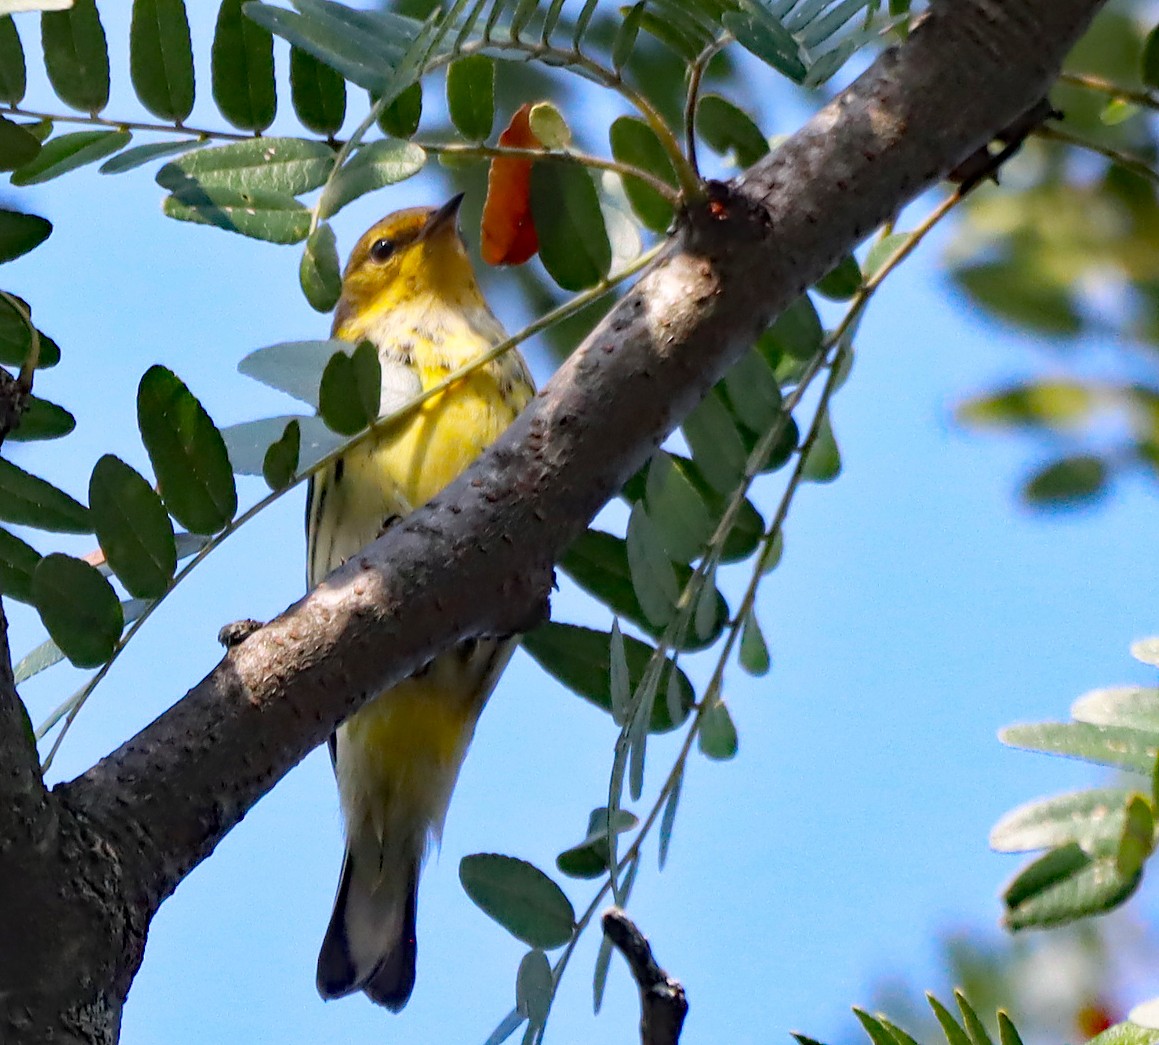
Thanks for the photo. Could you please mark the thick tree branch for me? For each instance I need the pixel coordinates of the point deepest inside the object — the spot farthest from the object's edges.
(478, 559)
(663, 1004)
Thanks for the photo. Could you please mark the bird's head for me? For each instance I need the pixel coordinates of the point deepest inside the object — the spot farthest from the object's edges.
(412, 257)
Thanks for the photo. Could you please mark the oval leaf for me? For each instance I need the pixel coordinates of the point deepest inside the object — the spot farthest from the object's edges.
(17, 561)
(635, 143)
(508, 230)
(29, 501)
(42, 420)
(139, 155)
(317, 92)
(372, 167)
(16, 339)
(520, 897)
(161, 58)
(1118, 746)
(76, 56)
(573, 240)
(13, 78)
(20, 233)
(294, 367)
(471, 95)
(1093, 819)
(348, 398)
(320, 273)
(401, 118)
(534, 987)
(717, 737)
(133, 528)
(653, 578)
(18, 145)
(284, 165)
(243, 69)
(271, 216)
(281, 460)
(754, 651)
(579, 658)
(68, 152)
(187, 452)
(729, 131)
(79, 609)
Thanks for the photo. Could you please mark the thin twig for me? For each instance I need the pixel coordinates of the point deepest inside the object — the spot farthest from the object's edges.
(1135, 164)
(203, 133)
(1147, 99)
(663, 1004)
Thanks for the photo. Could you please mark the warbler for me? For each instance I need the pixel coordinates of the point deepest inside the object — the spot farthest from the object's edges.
(409, 287)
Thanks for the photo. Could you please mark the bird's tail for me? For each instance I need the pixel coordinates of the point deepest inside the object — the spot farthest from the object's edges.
(370, 942)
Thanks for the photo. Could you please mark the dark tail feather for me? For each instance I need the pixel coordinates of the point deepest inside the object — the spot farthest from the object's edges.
(389, 979)
(394, 979)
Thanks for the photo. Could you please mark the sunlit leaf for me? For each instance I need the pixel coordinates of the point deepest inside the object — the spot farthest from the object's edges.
(520, 897)
(1093, 819)
(508, 231)
(372, 167)
(471, 95)
(67, 152)
(139, 155)
(1063, 885)
(282, 165)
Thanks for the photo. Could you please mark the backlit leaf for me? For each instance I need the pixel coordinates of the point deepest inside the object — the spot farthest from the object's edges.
(76, 56)
(508, 231)
(161, 58)
(243, 69)
(79, 609)
(133, 528)
(281, 460)
(754, 652)
(635, 143)
(401, 118)
(187, 452)
(471, 95)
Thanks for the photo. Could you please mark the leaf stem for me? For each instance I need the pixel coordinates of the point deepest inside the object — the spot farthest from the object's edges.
(1091, 82)
(130, 125)
(1134, 164)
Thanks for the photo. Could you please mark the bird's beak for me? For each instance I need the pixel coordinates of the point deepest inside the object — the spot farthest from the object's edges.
(445, 219)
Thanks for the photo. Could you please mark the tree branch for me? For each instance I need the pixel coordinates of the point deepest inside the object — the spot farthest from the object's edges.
(478, 559)
(663, 1004)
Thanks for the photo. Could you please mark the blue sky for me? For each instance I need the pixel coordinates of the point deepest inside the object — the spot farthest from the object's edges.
(917, 609)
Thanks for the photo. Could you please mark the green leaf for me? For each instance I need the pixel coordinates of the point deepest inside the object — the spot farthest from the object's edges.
(1133, 706)
(281, 460)
(78, 607)
(549, 126)
(471, 96)
(18, 146)
(729, 130)
(717, 447)
(598, 563)
(17, 562)
(1093, 819)
(259, 214)
(1015, 291)
(1127, 1034)
(975, 1029)
(573, 240)
(42, 420)
(250, 441)
(797, 333)
(842, 281)
(187, 452)
(20, 233)
(878, 1034)
(161, 58)
(534, 987)
(294, 367)
(1058, 406)
(283, 165)
(67, 152)
(133, 528)
(823, 463)
(753, 392)
(668, 817)
(320, 273)
(76, 56)
(1063, 885)
(600, 973)
(243, 69)
(318, 93)
(589, 859)
(677, 509)
(1149, 62)
(1007, 1032)
(635, 143)
(351, 389)
(653, 578)
(15, 339)
(953, 1031)
(372, 167)
(884, 248)
(1067, 483)
(139, 155)
(579, 658)
(754, 653)
(401, 118)
(767, 39)
(520, 897)
(13, 78)
(618, 676)
(1138, 838)
(29, 501)
(1104, 745)
(625, 39)
(717, 737)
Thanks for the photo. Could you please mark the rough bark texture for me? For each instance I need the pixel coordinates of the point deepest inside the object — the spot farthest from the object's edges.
(83, 870)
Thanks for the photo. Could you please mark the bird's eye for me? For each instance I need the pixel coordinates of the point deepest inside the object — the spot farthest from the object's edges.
(381, 250)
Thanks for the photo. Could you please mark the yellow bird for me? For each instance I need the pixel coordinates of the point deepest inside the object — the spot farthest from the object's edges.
(410, 289)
